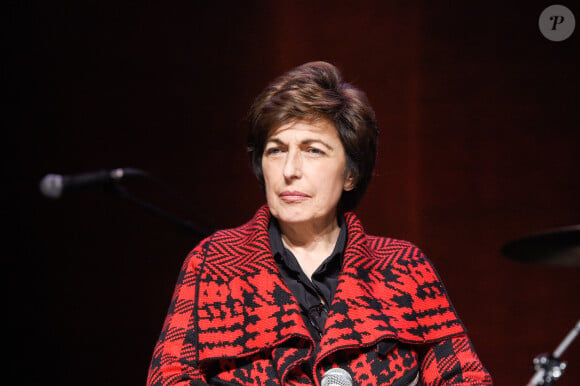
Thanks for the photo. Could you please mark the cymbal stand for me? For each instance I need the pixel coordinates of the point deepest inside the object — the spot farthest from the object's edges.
(548, 367)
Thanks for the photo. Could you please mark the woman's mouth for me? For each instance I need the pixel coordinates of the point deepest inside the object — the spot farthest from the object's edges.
(293, 196)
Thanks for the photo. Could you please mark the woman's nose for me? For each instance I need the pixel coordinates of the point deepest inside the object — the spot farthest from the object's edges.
(293, 165)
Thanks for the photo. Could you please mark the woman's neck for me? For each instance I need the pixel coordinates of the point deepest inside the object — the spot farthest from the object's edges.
(310, 243)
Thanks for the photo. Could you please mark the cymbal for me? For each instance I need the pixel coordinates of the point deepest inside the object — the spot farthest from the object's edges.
(559, 246)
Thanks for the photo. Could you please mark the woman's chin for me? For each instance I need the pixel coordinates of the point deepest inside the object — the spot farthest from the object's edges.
(292, 213)
(300, 214)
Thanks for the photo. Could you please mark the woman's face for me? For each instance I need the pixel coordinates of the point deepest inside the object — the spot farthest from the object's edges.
(304, 168)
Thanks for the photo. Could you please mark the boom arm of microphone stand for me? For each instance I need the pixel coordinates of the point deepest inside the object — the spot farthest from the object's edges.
(184, 226)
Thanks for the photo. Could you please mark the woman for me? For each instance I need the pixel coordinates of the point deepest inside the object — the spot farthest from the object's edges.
(301, 289)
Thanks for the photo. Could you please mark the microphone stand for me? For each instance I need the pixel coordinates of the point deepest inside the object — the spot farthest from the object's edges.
(184, 226)
(52, 186)
(548, 367)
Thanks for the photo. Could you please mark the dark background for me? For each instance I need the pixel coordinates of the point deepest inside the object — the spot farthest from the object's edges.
(479, 145)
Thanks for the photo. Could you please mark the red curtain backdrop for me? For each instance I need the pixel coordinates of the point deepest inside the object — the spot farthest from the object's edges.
(479, 145)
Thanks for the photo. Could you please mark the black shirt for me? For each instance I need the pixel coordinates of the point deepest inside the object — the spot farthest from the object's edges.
(314, 296)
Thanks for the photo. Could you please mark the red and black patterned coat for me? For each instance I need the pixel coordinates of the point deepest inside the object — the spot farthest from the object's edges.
(233, 320)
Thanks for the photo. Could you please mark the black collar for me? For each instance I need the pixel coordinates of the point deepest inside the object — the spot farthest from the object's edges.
(330, 265)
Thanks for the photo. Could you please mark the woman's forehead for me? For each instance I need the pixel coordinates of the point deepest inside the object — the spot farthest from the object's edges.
(320, 127)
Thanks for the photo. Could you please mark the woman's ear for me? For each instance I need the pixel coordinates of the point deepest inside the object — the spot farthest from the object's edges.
(349, 182)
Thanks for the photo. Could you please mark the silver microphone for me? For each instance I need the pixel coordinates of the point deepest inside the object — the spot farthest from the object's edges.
(53, 185)
(336, 377)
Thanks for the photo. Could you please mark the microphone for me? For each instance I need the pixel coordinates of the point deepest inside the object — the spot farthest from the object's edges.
(336, 377)
(53, 185)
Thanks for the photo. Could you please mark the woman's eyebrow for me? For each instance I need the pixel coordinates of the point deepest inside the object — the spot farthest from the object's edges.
(309, 141)
(275, 140)
(306, 141)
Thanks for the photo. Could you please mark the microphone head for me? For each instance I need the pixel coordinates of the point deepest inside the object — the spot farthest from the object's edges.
(336, 377)
(52, 185)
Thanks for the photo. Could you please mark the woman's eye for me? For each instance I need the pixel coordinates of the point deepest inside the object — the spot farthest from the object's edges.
(315, 151)
(273, 150)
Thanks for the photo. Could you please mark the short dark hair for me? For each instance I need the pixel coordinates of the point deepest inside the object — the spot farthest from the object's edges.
(311, 92)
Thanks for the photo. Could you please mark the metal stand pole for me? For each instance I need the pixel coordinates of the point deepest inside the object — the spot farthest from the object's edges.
(548, 366)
